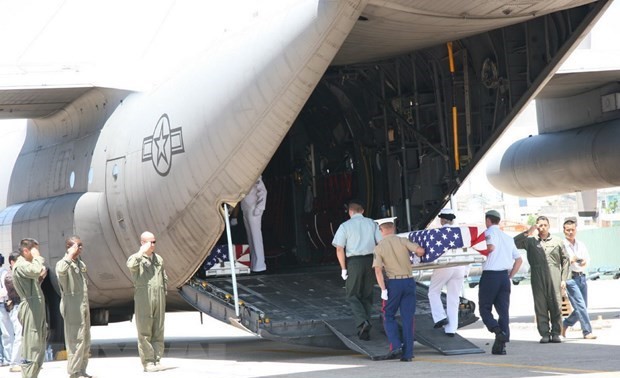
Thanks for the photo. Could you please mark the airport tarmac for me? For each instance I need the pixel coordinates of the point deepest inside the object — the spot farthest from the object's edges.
(214, 349)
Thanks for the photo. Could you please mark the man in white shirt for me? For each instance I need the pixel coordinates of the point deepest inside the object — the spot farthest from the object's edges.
(576, 286)
(502, 263)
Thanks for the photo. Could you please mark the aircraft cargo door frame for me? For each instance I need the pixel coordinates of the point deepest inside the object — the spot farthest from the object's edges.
(118, 206)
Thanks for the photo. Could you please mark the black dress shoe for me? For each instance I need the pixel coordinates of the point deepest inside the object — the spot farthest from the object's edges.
(500, 335)
(441, 323)
(555, 339)
(499, 348)
(394, 354)
(405, 359)
(450, 334)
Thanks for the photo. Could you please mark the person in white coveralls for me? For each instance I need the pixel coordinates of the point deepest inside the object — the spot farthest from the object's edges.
(452, 279)
(253, 206)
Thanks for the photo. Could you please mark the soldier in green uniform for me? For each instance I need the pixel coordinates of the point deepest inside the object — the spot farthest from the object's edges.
(71, 273)
(28, 272)
(549, 266)
(150, 280)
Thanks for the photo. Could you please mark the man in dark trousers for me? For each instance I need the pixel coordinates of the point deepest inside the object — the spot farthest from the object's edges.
(549, 267)
(502, 263)
(355, 241)
(399, 290)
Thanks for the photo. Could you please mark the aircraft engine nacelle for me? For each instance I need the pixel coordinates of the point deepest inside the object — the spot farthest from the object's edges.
(575, 160)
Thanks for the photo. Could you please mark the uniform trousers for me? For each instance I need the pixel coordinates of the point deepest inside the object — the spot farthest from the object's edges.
(494, 291)
(150, 309)
(401, 295)
(452, 279)
(545, 283)
(253, 226)
(32, 317)
(359, 287)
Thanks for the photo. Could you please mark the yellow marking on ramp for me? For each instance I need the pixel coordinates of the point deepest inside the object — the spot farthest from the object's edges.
(538, 367)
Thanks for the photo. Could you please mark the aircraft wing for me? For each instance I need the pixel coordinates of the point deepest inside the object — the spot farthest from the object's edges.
(574, 83)
(31, 102)
(385, 29)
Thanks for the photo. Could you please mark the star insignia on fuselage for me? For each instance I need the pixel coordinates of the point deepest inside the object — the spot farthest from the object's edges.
(159, 147)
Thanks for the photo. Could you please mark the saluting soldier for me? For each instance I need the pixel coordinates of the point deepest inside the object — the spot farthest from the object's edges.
(71, 273)
(28, 272)
(549, 267)
(150, 280)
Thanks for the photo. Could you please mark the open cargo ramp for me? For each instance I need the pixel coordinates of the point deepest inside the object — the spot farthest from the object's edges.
(309, 308)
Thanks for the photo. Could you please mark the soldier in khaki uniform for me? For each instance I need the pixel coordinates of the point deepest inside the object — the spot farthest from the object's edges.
(549, 267)
(28, 272)
(150, 280)
(399, 290)
(71, 273)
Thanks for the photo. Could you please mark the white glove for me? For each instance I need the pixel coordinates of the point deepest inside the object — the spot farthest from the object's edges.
(233, 221)
(384, 295)
(344, 274)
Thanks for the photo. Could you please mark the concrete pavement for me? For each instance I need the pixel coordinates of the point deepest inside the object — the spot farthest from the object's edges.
(214, 349)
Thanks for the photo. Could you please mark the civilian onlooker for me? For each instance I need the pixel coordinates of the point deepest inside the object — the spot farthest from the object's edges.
(576, 286)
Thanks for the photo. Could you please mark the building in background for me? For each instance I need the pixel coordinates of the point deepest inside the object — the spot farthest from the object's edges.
(598, 51)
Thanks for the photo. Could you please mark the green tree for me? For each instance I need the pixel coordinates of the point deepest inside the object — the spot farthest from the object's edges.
(531, 220)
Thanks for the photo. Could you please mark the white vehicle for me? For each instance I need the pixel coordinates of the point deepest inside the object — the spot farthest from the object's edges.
(475, 271)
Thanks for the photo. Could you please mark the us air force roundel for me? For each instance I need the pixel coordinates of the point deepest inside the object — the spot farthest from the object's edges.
(159, 147)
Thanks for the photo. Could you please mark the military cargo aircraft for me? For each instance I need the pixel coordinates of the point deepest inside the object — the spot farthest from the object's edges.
(391, 101)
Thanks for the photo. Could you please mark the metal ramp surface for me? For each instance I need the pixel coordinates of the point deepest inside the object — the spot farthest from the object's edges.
(377, 347)
(307, 307)
(436, 338)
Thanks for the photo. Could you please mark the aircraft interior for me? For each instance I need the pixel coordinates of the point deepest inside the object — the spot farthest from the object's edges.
(401, 134)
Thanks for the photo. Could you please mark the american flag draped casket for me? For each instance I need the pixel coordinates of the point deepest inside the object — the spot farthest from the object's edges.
(217, 261)
(438, 241)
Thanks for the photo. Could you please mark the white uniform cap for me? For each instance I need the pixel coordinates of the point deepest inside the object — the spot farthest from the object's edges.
(447, 214)
(385, 220)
